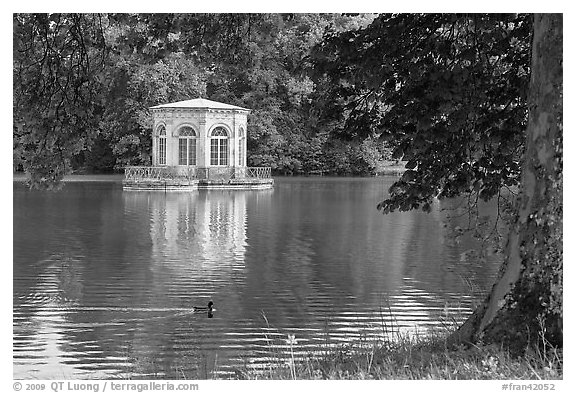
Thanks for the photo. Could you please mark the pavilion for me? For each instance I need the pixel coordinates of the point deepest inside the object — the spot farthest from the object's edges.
(198, 143)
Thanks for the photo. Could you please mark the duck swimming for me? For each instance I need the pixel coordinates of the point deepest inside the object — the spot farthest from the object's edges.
(208, 309)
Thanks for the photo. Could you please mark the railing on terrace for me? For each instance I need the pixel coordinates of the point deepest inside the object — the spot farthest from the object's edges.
(162, 173)
(259, 172)
(158, 173)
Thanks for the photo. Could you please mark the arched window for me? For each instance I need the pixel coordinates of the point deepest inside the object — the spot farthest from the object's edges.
(241, 147)
(187, 146)
(162, 145)
(219, 147)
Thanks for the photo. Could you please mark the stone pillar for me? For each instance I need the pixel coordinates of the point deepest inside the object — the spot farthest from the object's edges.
(242, 123)
(203, 150)
(171, 143)
(154, 142)
(233, 143)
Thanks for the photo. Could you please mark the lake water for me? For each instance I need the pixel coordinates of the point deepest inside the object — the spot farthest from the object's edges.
(105, 279)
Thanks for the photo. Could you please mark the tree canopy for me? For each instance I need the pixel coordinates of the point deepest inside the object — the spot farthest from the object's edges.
(119, 65)
(58, 61)
(447, 91)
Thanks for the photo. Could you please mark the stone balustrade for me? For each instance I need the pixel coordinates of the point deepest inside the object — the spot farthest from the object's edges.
(161, 173)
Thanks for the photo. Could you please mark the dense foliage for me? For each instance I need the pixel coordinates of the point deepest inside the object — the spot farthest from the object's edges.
(447, 91)
(58, 63)
(83, 85)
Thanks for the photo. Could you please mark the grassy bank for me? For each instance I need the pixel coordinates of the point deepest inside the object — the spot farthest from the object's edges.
(417, 358)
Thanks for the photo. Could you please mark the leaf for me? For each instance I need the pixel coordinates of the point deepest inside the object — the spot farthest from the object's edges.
(411, 164)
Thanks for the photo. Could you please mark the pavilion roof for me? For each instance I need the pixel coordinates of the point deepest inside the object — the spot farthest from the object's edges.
(199, 103)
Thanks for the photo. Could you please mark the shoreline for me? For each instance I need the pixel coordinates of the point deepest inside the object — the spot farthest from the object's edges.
(115, 178)
(413, 358)
(118, 177)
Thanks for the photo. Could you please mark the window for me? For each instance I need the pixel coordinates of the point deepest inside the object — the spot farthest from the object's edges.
(187, 146)
(162, 145)
(241, 152)
(219, 147)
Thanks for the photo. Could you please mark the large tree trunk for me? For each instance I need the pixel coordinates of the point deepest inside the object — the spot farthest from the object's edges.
(525, 305)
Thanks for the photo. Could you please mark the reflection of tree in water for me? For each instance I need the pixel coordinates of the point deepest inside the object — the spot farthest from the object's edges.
(278, 271)
(438, 261)
(333, 244)
(328, 244)
(73, 240)
(475, 236)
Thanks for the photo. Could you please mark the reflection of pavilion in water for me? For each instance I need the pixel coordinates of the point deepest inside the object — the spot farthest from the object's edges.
(198, 231)
(198, 244)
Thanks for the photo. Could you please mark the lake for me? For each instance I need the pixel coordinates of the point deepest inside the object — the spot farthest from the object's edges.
(105, 279)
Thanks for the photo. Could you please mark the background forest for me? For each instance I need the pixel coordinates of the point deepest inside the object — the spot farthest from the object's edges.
(102, 72)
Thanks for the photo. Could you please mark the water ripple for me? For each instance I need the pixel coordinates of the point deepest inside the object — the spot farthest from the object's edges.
(105, 280)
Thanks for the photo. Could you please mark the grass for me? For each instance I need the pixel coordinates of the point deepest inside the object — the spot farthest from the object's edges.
(412, 358)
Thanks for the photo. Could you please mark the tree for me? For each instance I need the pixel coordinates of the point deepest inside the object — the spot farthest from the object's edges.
(127, 124)
(525, 305)
(450, 93)
(57, 68)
